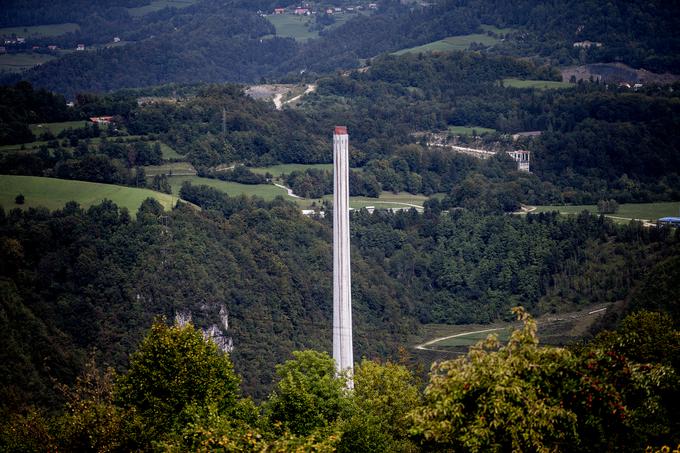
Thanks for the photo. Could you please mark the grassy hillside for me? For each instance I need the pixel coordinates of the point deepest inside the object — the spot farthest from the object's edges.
(19, 62)
(451, 44)
(538, 84)
(265, 191)
(646, 211)
(56, 128)
(40, 31)
(54, 193)
(284, 169)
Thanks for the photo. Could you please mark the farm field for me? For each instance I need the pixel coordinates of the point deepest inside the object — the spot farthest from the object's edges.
(387, 200)
(296, 27)
(233, 189)
(169, 152)
(19, 62)
(40, 31)
(538, 84)
(157, 5)
(553, 328)
(174, 168)
(56, 128)
(53, 193)
(284, 169)
(626, 212)
(470, 130)
(498, 31)
(451, 44)
(292, 26)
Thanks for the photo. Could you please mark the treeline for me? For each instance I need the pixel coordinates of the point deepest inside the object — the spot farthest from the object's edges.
(110, 161)
(180, 392)
(21, 105)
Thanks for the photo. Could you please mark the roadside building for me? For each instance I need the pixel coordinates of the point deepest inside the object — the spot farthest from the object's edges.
(101, 119)
(672, 221)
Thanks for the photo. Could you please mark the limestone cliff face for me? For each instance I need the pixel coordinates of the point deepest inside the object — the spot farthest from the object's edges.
(216, 332)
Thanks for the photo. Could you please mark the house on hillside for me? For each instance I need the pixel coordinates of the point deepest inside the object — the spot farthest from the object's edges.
(80, 47)
(52, 47)
(21, 40)
(587, 44)
(301, 11)
(279, 10)
(101, 119)
(116, 39)
(329, 11)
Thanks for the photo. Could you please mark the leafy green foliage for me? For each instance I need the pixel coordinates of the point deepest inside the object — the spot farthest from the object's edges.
(308, 395)
(522, 396)
(174, 369)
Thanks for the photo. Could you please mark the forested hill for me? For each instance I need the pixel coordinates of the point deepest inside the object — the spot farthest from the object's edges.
(217, 41)
(75, 280)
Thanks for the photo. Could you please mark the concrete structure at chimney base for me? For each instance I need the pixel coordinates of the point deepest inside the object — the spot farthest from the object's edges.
(342, 282)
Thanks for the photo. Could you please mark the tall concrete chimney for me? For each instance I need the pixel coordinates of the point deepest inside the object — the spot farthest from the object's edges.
(342, 281)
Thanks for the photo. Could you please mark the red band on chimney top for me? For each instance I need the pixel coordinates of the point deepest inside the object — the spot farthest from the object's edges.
(340, 130)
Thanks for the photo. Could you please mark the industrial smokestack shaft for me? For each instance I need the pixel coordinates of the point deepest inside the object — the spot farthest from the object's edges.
(342, 282)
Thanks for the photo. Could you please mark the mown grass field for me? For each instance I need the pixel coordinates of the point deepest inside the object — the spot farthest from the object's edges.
(169, 152)
(468, 339)
(233, 189)
(470, 130)
(40, 31)
(54, 193)
(19, 62)
(387, 200)
(172, 168)
(292, 26)
(538, 84)
(626, 212)
(451, 44)
(56, 128)
(297, 27)
(284, 169)
(498, 31)
(157, 5)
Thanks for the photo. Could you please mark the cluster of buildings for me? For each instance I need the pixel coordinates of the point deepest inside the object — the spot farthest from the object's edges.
(20, 41)
(521, 156)
(307, 9)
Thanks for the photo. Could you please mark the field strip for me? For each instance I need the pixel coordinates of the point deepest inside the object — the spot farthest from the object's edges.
(423, 347)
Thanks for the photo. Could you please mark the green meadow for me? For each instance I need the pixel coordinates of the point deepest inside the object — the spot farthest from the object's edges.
(265, 191)
(19, 62)
(40, 31)
(53, 193)
(538, 84)
(470, 130)
(157, 5)
(173, 168)
(452, 44)
(56, 128)
(626, 212)
(285, 169)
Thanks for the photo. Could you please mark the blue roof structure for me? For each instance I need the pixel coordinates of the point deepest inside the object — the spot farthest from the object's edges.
(671, 220)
